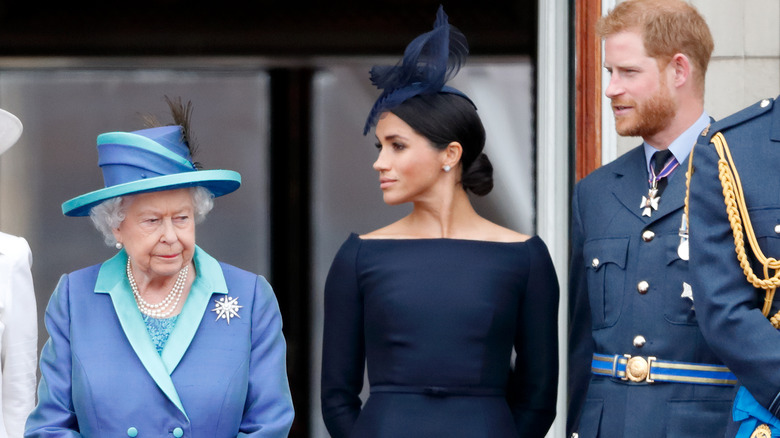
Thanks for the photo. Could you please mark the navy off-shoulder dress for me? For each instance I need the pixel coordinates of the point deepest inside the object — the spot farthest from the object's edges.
(435, 320)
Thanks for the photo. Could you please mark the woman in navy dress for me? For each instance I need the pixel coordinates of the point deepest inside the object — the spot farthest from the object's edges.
(435, 303)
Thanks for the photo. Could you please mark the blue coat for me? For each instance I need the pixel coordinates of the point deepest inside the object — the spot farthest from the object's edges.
(102, 376)
(729, 307)
(614, 248)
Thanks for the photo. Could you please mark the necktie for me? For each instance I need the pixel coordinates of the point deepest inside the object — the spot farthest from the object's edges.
(663, 164)
(659, 161)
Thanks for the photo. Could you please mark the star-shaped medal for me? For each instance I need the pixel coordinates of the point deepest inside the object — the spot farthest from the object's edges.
(650, 202)
(226, 308)
(687, 292)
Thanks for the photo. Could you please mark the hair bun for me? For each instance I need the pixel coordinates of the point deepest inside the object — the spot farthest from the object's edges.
(478, 178)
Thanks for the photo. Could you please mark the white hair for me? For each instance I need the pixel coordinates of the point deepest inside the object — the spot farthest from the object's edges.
(109, 214)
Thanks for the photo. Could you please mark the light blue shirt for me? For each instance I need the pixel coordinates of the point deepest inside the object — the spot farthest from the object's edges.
(682, 145)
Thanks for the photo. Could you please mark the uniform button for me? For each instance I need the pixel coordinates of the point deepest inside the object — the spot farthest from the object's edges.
(639, 341)
(764, 103)
(595, 262)
(777, 229)
(132, 432)
(648, 235)
(642, 287)
(178, 433)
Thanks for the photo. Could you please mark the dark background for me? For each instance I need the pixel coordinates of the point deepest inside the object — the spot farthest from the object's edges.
(241, 27)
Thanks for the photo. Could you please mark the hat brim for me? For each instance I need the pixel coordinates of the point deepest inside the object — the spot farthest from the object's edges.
(10, 130)
(219, 182)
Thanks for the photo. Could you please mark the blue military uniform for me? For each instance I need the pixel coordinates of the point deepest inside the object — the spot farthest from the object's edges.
(729, 306)
(627, 298)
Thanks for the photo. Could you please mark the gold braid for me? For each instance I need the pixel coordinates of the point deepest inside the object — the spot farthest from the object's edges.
(688, 183)
(736, 208)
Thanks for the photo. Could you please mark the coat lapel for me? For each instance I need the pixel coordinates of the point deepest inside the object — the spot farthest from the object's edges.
(112, 279)
(209, 280)
(631, 182)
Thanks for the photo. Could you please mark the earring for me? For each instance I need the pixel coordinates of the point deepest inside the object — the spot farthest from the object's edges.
(119, 245)
(447, 168)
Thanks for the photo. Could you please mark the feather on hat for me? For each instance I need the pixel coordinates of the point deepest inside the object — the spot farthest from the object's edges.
(150, 160)
(429, 61)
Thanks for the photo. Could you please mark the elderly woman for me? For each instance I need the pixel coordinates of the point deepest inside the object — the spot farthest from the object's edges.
(161, 339)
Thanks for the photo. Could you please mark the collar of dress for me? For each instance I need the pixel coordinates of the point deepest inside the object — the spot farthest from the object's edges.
(209, 280)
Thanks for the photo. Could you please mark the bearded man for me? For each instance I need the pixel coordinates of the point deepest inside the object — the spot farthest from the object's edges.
(638, 364)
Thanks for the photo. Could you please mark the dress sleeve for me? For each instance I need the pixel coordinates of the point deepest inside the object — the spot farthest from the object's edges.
(269, 409)
(54, 414)
(533, 385)
(19, 341)
(580, 336)
(727, 306)
(343, 351)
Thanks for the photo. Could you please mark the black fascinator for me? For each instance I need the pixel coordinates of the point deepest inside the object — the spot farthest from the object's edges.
(429, 61)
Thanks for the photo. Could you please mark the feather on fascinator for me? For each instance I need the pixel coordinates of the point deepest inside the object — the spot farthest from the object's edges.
(429, 61)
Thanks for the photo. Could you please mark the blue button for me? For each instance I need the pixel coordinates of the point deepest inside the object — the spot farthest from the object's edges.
(132, 432)
(178, 433)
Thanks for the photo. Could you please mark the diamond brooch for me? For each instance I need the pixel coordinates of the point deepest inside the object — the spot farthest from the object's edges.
(226, 308)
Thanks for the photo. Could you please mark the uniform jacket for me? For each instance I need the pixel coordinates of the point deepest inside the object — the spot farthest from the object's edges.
(729, 307)
(18, 335)
(614, 248)
(102, 376)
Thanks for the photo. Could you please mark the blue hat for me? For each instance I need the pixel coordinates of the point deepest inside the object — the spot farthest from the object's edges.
(429, 61)
(148, 160)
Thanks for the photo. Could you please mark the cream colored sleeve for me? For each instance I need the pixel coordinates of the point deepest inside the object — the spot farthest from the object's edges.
(18, 334)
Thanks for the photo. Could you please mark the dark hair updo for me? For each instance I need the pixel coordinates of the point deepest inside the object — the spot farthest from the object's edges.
(443, 118)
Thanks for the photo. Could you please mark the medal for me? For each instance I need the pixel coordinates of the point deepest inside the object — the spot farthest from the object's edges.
(687, 291)
(650, 202)
(762, 431)
(682, 249)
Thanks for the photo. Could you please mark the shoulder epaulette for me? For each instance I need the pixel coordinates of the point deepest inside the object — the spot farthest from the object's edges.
(737, 118)
(734, 198)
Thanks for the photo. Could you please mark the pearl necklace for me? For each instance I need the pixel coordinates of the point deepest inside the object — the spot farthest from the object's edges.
(164, 308)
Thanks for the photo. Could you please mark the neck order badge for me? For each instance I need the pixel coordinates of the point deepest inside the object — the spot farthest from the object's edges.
(657, 182)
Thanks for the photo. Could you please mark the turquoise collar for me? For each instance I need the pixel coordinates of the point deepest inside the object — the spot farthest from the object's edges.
(209, 279)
